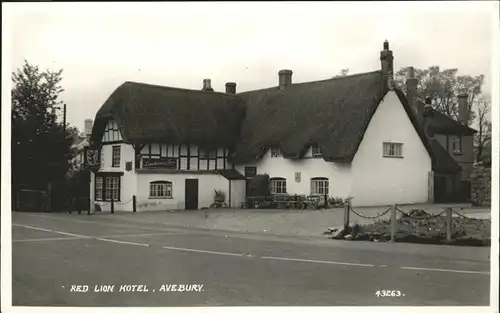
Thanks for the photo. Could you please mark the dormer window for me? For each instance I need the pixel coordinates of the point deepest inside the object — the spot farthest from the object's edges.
(276, 153)
(456, 144)
(316, 151)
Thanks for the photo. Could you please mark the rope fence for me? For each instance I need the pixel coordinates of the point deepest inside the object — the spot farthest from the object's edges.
(371, 217)
(418, 215)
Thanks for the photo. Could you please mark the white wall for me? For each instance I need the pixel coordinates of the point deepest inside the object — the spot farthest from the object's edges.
(339, 175)
(206, 185)
(382, 181)
(128, 182)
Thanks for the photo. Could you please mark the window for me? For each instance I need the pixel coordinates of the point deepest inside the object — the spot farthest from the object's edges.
(319, 186)
(111, 132)
(275, 153)
(278, 185)
(99, 188)
(116, 156)
(208, 153)
(456, 144)
(316, 151)
(250, 171)
(107, 188)
(393, 150)
(160, 190)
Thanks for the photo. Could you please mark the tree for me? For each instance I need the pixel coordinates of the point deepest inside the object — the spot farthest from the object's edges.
(40, 145)
(482, 140)
(444, 86)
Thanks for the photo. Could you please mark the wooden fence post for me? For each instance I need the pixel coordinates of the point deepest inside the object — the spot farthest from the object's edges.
(347, 210)
(49, 196)
(18, 201)
(112, 206)
(448, 223)
(393, 223)
(134, 204)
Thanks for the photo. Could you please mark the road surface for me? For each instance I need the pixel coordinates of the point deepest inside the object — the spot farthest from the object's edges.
(54, 253)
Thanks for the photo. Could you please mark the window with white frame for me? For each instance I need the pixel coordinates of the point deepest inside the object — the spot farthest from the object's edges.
(112, 184)
(319, 186)
(275, 152)
(160, 190)
(111, 132)
(99, 188)
(107, 188)
(278, 185)
(207, 154)
(393, 150)
(456, 144)
(316, 151)
(116, 156)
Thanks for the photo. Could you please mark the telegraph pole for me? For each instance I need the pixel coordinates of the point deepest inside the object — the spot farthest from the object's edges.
(64, 120)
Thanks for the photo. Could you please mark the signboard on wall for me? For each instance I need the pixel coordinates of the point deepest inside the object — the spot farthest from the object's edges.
(163, 162)
(250, 171)
(297, 177)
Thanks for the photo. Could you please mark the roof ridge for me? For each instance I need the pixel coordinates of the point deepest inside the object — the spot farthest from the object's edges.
(128, 82)
(317, 81)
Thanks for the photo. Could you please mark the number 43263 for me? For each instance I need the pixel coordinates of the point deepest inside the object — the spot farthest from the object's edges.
(389, 293)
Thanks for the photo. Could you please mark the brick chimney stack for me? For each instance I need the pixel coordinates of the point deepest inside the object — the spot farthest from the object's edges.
(427, 115)
(387, 62)
(207, 85)
(463, 108)
(285, 78)
(231, 87)
(411, 93)
(88, 123)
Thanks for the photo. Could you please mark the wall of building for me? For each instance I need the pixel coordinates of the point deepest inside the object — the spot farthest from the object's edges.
(206, 185)
(187, 156)
(379, 180)
(339, 175)
(465, 158)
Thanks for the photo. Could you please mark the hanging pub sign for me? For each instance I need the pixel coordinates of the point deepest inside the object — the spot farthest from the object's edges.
(162, 162)
(92, 159)
(128, 166)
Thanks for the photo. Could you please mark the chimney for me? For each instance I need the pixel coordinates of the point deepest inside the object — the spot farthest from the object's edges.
(285, 78)
(427, 115)
(387, 63)
(411, 93)
(207, 85)
(231, 88)
(463, 109)
(88, 128)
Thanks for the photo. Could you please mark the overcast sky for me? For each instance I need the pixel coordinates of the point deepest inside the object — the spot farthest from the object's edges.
(100, 46)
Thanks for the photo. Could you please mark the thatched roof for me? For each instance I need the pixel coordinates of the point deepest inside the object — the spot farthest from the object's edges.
(149, 113)
(332, 113)
(443, 124)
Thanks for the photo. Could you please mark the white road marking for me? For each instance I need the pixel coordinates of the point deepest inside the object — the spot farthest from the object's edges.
(52, 231)
(317, 261)
(138, 227)
(203, 251)
(47, 239)
(443, 270)
(122, 242)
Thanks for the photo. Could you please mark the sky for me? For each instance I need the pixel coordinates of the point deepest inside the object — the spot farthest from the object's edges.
(101, 45)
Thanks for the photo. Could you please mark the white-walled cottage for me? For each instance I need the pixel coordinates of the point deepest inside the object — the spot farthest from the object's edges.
(350, 136)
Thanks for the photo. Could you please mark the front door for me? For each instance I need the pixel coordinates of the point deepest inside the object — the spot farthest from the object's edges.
(191, 198)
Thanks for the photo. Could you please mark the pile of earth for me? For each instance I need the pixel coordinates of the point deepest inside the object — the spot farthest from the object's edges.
(418, 226)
